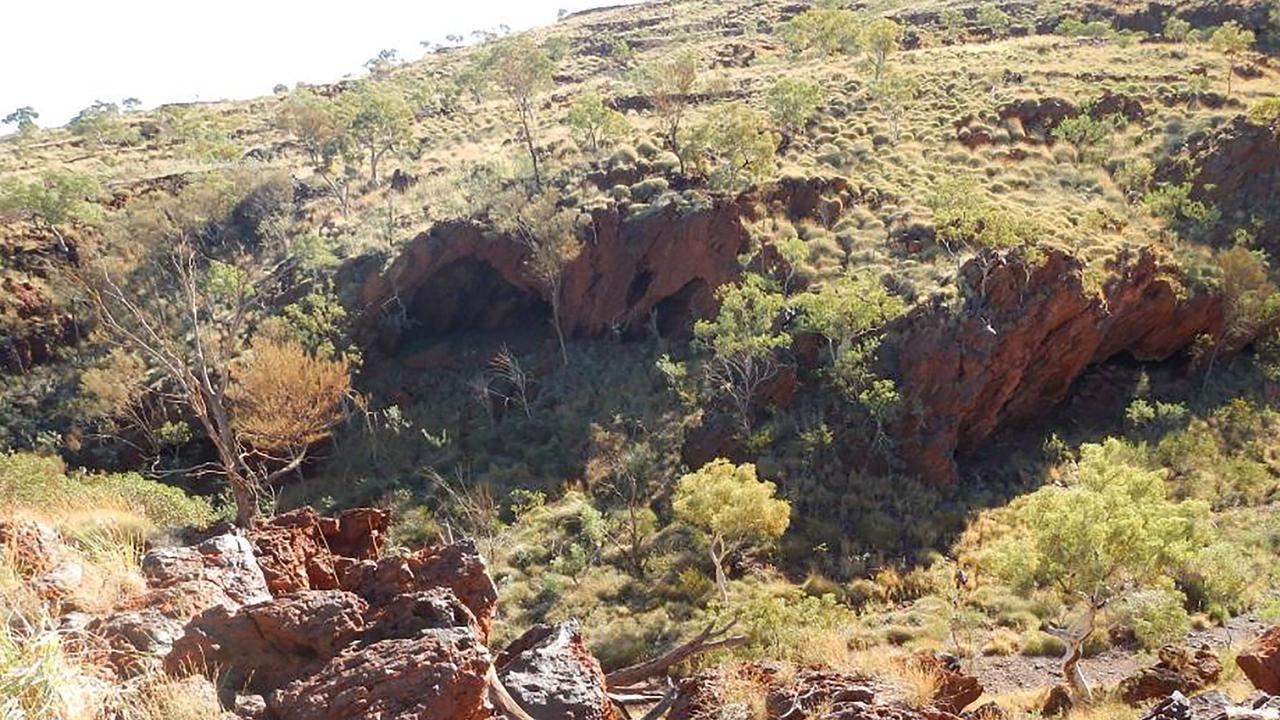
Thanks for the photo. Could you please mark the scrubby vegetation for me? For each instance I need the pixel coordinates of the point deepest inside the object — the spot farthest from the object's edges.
(226, 321)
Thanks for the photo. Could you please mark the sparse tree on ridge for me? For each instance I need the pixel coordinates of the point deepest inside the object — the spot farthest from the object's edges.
(881, 38)
(378, 119)
(1232, 41)
(792, 102)
(23, 119)
(316, 124)
(596, 124)
(522, 70)
(56, 198)
(670, 87)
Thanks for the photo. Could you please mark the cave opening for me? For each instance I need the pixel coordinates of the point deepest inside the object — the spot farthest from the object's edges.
(469, 295)
(1093, 409)
(677, 312)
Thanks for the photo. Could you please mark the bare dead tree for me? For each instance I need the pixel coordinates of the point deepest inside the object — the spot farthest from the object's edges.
(189, 319)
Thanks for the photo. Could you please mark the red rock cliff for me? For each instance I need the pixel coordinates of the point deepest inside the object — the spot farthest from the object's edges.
(1011, 353)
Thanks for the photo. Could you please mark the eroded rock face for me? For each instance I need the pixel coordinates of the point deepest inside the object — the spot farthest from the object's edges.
(297, 550)
(553, 676)
(439, 674)
(1179, 670)
(1022, 337)
(266, 645)
(664, 261)
(218, 575)
(1260, 662)
(1237, 169)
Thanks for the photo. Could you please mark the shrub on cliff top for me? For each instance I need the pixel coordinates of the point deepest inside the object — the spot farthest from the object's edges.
(42, 485)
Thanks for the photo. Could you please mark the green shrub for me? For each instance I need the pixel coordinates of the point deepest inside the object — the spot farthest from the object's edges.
(1072, 27)
(42, 484)
(1036, 643)
(650, 188)
(1156, 616)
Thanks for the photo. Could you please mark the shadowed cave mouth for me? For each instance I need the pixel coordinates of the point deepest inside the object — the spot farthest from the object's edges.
(1093, 409)
(469, 295)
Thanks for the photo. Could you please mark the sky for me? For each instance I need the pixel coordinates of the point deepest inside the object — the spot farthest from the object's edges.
(59, 56)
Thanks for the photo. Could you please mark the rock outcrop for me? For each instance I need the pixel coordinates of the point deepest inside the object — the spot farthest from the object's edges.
(1022, 336)
(1179, 670)
(1236, 168)
(298, 550)
(345, 631)
(438, 674)
(269, 644)
(1260, 662)
(219, 574)
(553, 676)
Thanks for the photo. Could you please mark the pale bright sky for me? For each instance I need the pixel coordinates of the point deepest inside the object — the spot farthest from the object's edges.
(59, 56)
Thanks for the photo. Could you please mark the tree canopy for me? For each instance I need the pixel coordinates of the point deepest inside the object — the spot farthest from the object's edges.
(733, 506)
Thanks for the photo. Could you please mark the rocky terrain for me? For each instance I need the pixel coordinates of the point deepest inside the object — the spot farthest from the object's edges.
(305, 616)
(691, 359)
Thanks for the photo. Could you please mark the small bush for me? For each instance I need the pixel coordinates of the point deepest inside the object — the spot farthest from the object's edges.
(42, 485)
(1041, 644)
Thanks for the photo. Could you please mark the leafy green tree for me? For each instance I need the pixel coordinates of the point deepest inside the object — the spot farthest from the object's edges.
(990, 16)
(551, 235)
(100, 124)
(745, 147)
(851, 312)
(745, 341)
(964, 218)
(57, 198)
(522, 70)
(596, 125)
(670, 85)
(378, 119)
(881, 38)
(733, 507)
(893, 90)
(792, 103)
(24, 119)
(1109, 532)
(1083, 132)
(1176, 29)
(1232, 41)
(823, 31)
(317, 125)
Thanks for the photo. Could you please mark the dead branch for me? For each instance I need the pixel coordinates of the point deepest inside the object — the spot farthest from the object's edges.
(706, 641)
(502, 699)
